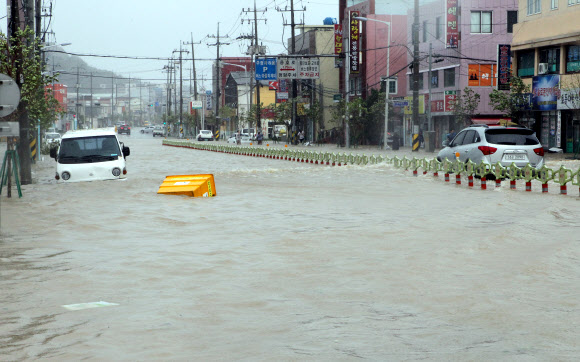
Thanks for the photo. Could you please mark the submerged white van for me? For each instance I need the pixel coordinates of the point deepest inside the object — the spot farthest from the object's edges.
(90, 155)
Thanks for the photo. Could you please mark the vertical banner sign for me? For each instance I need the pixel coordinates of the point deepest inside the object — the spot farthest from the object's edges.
(450, 97)
(504, 65)
(208, 100)
(354, 42)
(337, 39)
(451, 25)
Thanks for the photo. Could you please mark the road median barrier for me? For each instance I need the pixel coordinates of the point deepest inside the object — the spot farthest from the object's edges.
(561, 176)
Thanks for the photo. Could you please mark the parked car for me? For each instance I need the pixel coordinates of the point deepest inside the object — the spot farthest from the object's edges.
(124, 129)
(148, 129)
(159, 131)
(205, 135)
(52, 137)
(245, 139)
(491, 144)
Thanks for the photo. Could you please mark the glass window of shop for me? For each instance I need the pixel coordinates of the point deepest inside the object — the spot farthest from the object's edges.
(573, 59)
(549, 129)
(552, 57)
(526, 63)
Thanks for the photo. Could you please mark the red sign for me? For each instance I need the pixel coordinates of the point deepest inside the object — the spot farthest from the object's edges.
(274, 85)
(451, 24)
(437, 106)
(337, 38)
(354, 42)
(450, 97)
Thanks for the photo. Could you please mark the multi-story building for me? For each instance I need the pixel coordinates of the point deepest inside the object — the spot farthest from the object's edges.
(463, 38)
(319, 40)
(383, 49)
(546, 55)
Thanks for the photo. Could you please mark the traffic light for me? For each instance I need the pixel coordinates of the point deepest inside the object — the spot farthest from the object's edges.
(164, 122)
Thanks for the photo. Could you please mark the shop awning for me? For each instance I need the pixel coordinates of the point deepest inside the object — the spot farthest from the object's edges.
(496, 121)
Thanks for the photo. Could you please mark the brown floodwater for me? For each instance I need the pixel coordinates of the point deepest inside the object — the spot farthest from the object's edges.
(290, 261)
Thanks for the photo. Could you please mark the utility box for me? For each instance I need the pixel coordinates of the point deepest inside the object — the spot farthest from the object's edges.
(9, 129)
(429, 141)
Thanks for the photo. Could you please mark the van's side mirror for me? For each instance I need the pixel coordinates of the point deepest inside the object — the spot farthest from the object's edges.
(53, 152)
(126, 151)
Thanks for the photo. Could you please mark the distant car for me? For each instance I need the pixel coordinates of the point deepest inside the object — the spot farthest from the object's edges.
(245, 139)
(52, 137)
(204, 135)
(159, 131)
(124, 129)
(491, 144)
(148, 129)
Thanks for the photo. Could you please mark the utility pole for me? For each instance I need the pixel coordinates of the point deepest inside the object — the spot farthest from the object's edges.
(218, 68)
(130, 117)
(429, 120)
(112, 95)
(78, 89)
(293, 51)
(181, 51)
(193, 62)
(255, 50)
(91, 106)
(415, 144)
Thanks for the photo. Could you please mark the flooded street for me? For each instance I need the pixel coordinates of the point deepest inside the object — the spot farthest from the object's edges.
(290, 261)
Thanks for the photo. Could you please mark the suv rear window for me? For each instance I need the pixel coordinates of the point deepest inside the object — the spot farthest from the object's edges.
(509, 136)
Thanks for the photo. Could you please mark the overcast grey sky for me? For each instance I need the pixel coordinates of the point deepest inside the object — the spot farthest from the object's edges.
(153, 28)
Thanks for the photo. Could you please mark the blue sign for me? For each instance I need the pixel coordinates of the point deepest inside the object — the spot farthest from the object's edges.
(401, 104)
(545, 92)
(266, 69)
(156, 104)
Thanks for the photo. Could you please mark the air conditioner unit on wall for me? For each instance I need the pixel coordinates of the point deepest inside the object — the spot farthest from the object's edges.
(542, 68)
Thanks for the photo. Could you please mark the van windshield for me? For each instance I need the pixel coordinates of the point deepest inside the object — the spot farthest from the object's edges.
(89, 149)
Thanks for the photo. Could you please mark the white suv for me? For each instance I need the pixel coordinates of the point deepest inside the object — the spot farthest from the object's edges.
(205, 135)
(491, 144)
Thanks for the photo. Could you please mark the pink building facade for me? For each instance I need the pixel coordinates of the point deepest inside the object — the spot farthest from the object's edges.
(471, 61)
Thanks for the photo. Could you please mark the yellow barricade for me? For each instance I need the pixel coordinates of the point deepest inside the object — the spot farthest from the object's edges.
(189, 185)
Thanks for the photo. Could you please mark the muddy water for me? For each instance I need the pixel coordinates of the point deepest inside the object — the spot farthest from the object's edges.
(289, 262)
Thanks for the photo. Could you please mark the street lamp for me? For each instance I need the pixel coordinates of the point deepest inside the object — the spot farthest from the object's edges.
(248, 104)
(388, 79)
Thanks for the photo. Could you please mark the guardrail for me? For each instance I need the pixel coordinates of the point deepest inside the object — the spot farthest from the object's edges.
(561, 176)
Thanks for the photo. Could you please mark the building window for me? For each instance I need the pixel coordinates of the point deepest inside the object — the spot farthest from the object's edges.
(449, 77)
(551, 56)
(534, 7)
(393, 86)
(438, 27)
(573, 2)
(435, 79)
(554, 4)
(573, 59)
(512, 18)
(424, 31)
(526, 63)
(481, 22)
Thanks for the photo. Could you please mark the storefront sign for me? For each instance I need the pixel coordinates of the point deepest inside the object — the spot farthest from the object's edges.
(450, 97)
(409, 109)
(569, 99)
(451, 24)
(337, 38)
(481, 75)
(354, 42)
(545, 92)
(504, 64)
(437, 106)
